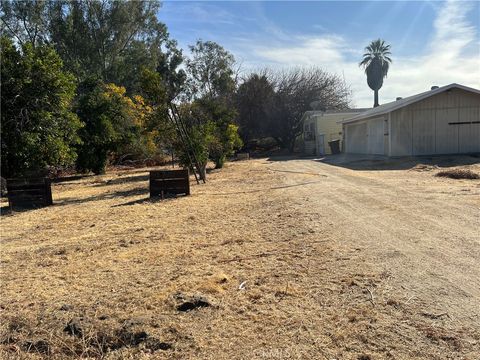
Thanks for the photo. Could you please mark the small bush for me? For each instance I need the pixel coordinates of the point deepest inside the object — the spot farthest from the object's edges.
(458, 174)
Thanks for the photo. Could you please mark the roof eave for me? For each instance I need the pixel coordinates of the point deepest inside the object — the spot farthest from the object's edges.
(402, 104)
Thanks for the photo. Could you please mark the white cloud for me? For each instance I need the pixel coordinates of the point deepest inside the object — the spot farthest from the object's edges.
(309, 51)
(451, 55)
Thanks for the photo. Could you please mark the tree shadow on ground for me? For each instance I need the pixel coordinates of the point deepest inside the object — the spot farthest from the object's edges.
(5, 210)
(104, 196)
(124, 180)
(71, 178)
(147, 200)
(291, 157)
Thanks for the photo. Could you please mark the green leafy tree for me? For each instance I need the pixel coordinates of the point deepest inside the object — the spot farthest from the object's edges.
(25, 21)
(254, 100)
(211, 70)
(159, 91)
(376, 62)
(211, 84)
(210, 139)
(38, 128)
(199, 134)
(223, 138)
(112, 40)
(223, 143)
(110, 124)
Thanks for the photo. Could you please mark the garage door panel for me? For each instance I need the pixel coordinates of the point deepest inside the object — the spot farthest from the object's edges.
(469, 134)
(401, 133)
(475, 131)
(357, 138)
(423, 132)
(375, 137)
(446, 134)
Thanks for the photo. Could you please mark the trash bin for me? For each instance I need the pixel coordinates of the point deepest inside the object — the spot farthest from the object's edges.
(334, 146)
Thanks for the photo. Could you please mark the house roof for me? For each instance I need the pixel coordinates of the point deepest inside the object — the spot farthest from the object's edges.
(342, 111)
(395, 105)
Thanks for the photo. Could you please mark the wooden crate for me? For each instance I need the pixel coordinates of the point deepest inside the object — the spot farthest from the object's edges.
(29, 193)
(243, 156)
(169, 182)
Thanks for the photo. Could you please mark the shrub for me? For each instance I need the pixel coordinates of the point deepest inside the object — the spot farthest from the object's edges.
(458, 174)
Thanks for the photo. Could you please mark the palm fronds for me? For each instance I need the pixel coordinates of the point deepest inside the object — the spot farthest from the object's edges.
(377, 49)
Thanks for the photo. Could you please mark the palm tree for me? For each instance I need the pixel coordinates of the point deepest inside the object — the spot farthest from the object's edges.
(376, 61)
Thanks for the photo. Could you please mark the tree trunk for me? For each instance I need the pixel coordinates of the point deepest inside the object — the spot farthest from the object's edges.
(291, 146)
(375, 102)
(203, 172)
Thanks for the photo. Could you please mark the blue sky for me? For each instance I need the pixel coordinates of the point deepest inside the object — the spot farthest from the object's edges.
(433, 42)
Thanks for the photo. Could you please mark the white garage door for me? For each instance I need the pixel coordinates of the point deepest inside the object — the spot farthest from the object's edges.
(375, 137)
(424, 132)
(469, 130)
(446, 134)
(366, 138)
(357, 138)
(457, 131)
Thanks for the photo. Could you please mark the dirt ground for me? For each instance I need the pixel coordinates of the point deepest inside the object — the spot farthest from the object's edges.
(273, 259)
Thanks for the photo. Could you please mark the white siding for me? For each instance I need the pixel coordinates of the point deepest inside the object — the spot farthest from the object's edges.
(424, 132)
(469, 134)
(446, 136)
(433, 126)
(309, 148)
(375, 136)
(401, 133)
(356, 138)
(365, 137)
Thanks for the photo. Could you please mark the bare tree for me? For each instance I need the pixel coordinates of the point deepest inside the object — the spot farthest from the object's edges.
(298, 90)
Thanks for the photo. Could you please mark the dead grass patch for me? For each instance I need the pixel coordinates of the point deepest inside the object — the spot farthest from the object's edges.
(437, 335)
(106, 273)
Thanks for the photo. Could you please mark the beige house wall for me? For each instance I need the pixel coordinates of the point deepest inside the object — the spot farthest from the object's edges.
(326, 126)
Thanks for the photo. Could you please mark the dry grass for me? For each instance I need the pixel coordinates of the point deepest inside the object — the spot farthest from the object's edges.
(103, 273)
(458, 174)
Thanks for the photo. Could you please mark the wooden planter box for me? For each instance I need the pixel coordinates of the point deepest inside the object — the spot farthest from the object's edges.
(29, 193)
(166, 183)
(243, 156)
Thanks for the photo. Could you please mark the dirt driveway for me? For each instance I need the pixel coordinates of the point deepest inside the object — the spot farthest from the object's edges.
(335, 262)
(422, 231)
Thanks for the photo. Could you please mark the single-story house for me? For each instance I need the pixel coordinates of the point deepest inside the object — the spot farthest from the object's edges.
(320, 127)
(444, 120)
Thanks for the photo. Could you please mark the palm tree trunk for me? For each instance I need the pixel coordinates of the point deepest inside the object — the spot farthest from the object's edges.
(375, 102)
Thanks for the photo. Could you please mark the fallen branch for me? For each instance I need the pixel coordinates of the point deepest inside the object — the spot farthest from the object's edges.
(249, 257)
(434, 316)
(371, 297)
